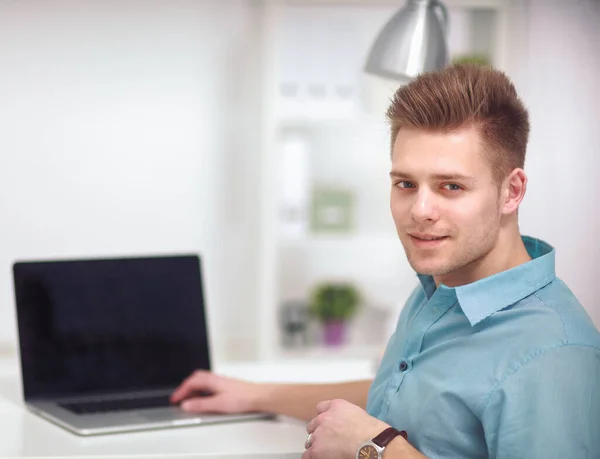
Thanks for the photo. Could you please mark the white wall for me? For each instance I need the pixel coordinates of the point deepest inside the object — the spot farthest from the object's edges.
(554, 60)
(129, 127)
(118, 138)
(558, 73)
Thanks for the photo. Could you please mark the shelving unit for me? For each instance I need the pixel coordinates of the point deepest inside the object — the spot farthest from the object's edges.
(316, 94)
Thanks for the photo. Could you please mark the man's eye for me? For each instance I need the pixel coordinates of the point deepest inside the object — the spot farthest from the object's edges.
(404, 184)
(452, 187)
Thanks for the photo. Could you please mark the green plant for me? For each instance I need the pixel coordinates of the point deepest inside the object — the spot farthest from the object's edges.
(334, 301)
(476, 59)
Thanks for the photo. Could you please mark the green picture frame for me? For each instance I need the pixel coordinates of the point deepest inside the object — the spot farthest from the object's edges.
(332, 210)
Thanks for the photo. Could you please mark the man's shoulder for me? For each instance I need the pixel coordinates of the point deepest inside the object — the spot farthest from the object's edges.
(577, 325)
(552, 316)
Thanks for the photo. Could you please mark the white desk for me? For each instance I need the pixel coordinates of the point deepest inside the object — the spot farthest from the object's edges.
(23, 434)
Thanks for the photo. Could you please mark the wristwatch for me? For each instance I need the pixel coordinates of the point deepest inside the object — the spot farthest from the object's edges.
(373, 449)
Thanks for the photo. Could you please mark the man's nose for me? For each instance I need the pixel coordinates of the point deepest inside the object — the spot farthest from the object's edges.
(424, 207)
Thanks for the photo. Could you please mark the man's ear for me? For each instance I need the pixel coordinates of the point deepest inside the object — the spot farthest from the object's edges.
(513, 191)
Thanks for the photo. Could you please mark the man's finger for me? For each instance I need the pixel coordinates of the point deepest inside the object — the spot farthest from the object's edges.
(312, 425)
(198, 381)
(323, 406)
(202, 405)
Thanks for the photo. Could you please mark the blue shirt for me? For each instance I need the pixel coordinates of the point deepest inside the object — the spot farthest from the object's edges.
(505, 367)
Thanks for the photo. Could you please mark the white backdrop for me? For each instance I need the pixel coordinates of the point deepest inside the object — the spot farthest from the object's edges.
(557, 72)
(117, 138)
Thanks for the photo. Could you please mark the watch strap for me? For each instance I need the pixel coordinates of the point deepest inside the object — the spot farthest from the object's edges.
(387, 436)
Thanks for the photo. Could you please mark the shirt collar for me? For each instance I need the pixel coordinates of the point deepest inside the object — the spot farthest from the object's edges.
(482, 298)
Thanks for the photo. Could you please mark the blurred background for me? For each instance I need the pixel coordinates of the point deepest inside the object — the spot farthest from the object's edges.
(247, 131)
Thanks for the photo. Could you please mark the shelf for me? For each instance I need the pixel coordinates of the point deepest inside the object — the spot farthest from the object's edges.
(300, 371)
(493, 4)
(319, 353)
(325, 128)
(332, 240)
(319, 121)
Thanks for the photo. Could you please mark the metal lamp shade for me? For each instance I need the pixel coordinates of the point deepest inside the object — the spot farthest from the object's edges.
(412, 42)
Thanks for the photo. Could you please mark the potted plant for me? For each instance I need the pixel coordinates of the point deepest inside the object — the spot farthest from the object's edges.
(333, 304)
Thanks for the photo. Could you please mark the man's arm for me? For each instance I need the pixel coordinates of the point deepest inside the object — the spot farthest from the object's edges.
(300, 400)
(229, 395)
(548, 407)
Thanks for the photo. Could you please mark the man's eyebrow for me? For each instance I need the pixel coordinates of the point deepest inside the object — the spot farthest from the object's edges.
(450, 176)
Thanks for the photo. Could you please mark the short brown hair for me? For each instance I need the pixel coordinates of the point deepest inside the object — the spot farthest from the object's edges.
(461, 95)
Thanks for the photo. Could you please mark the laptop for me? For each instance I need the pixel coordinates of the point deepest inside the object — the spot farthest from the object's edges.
(104, 342)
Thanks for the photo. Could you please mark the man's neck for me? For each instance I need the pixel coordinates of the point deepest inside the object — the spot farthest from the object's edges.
(508, 253)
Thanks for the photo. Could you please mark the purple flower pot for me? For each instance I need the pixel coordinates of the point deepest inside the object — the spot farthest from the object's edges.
(334, 332)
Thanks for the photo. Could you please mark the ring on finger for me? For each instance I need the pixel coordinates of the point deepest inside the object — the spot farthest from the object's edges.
(308, 441)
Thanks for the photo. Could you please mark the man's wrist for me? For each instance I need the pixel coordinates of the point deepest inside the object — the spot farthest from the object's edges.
(396, 448)
(377, 429)
(400, 448)
(262, 400)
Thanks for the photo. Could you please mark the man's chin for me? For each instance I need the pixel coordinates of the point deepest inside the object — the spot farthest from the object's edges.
(427, 269)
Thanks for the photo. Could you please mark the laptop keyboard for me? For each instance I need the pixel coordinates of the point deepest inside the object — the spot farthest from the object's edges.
(105, 406)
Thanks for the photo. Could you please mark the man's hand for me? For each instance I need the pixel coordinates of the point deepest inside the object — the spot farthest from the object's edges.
(339, 429)
(204, 392)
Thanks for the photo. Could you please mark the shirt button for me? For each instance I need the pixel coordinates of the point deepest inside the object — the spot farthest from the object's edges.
(403, 366)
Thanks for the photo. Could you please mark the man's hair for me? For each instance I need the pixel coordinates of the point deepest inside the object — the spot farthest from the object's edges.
(465, 95)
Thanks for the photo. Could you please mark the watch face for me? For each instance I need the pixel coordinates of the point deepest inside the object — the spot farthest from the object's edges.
(368, 452)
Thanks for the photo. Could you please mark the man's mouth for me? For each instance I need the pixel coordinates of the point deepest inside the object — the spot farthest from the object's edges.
(427, 241)
(427, 238)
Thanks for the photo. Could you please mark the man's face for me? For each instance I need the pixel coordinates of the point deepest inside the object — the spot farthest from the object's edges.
(444, 201)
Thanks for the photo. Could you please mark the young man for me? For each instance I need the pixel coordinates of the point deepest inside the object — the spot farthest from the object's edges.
(492, 356)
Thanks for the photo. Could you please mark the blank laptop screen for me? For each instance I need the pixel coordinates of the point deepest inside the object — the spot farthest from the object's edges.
(115, 325)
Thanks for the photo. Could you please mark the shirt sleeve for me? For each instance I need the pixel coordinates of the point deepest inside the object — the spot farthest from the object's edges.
(548, 407)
